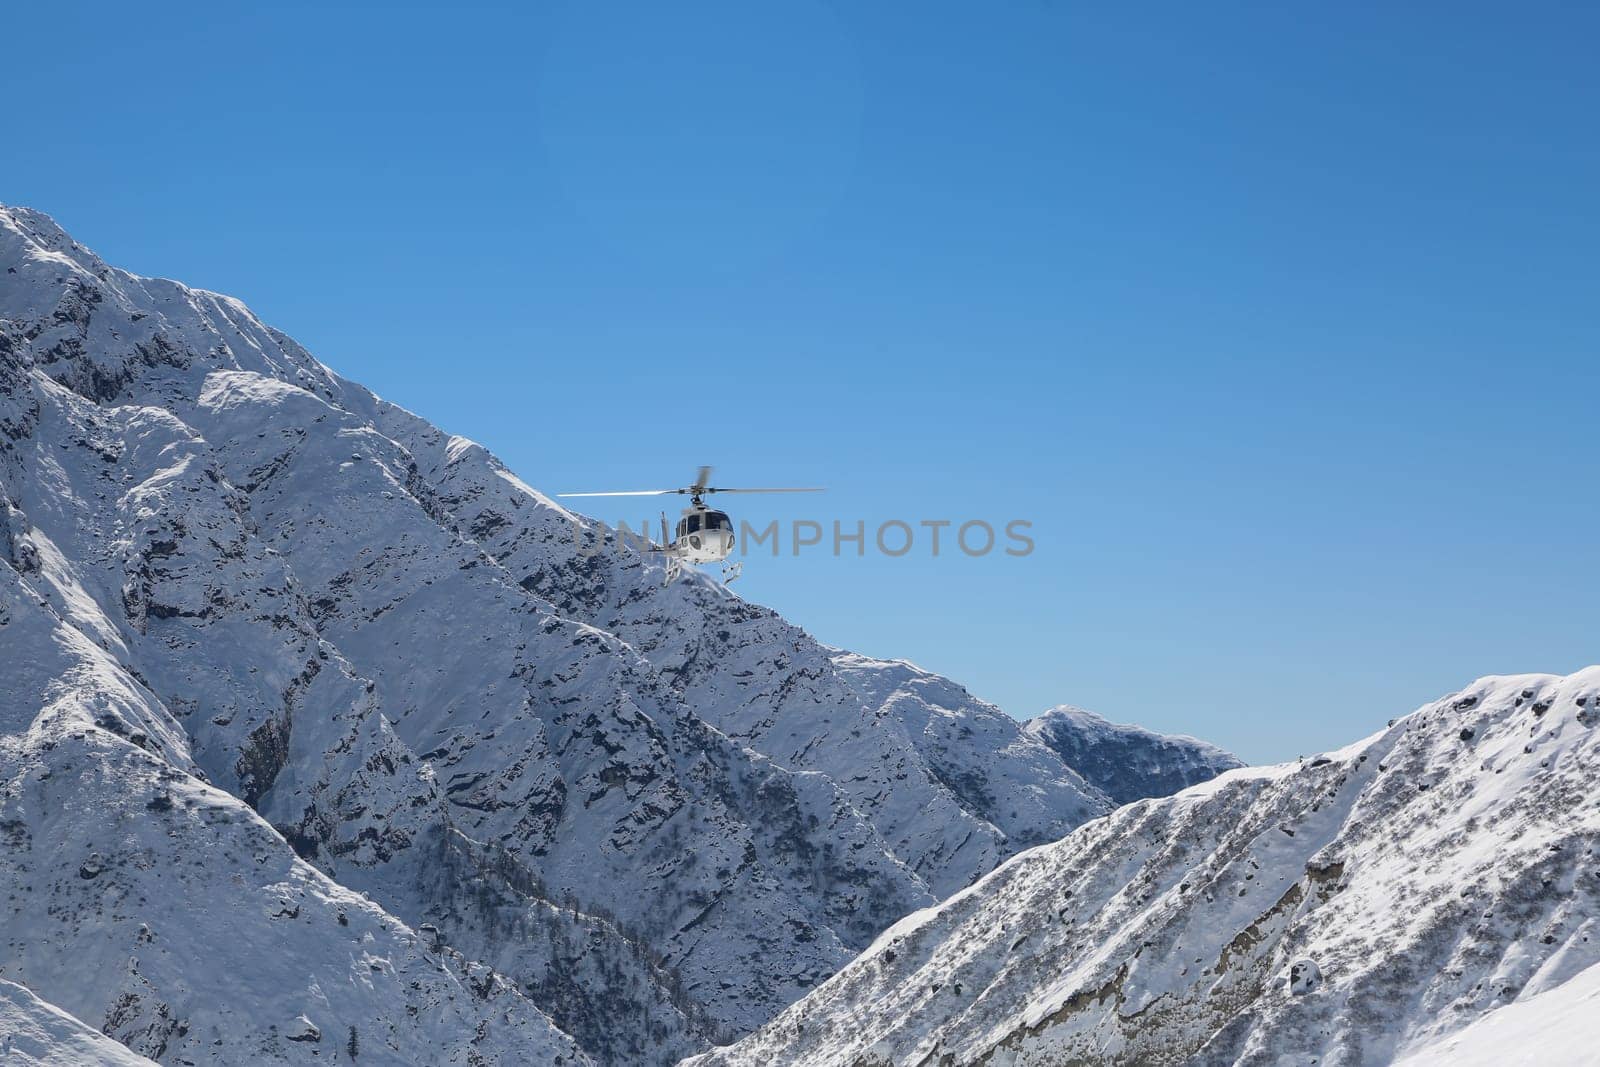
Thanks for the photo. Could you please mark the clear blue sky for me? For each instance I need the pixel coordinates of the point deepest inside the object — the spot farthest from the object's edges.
(1279, 321)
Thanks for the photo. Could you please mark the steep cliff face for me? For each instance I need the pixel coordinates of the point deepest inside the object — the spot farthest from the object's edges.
(1127, 763)
(665, 805)
(1388, 900)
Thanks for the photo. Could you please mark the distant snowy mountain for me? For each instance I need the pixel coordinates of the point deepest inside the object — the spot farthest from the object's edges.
(254, 593)
(1127, 763)
(1429, 895)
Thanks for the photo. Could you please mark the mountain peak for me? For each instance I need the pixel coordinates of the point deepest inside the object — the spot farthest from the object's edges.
(1125, 762)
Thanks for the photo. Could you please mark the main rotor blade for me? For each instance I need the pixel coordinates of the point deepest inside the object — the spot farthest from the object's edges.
(629, 492)
(811, 490)
(702, 479)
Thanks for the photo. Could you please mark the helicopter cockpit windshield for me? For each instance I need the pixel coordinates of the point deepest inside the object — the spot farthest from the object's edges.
(697, 521)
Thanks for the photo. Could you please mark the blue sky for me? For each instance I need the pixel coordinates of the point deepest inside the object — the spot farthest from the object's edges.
(1278, 322)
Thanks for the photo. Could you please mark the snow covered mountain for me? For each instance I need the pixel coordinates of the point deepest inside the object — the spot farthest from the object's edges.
(1127, 763)
(1430, 895)
(270, 643)
(173, 917)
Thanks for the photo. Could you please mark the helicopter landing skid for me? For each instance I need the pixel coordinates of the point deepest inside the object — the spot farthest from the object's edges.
(730, 571)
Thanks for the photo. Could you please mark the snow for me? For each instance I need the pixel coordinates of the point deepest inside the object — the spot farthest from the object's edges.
(224, 391)
(1559, 1027)
(36, 1034)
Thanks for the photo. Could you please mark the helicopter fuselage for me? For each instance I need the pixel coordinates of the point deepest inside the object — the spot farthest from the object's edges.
(703, 535)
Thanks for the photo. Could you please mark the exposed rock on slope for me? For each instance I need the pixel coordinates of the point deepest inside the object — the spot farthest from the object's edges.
(1127, 763)
(1346, 910)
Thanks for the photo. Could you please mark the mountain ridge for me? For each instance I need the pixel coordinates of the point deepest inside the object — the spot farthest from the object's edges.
(1366, 904)
(688, 810)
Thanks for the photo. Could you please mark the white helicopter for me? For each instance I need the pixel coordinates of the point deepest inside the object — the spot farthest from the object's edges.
(704, 534)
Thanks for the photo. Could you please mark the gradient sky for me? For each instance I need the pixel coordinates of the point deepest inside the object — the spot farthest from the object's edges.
(1279, 322)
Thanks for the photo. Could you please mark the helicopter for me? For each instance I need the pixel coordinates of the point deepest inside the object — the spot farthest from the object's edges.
(704, 534)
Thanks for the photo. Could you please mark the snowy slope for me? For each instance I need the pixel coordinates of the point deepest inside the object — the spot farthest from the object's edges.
(1345, 910)
(659, 804)
(168, 914)
(36, 1034)
(972, 752)
(1127, 763)
(1559, 1027)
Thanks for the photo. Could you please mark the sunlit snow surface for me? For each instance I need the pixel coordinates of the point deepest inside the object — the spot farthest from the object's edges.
(1558, 1026)
(1438, 873)
(36, 1034)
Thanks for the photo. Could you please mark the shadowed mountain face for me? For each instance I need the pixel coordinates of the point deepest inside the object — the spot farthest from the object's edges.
(1384, 902)
(1127, 763)
(272, 602)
